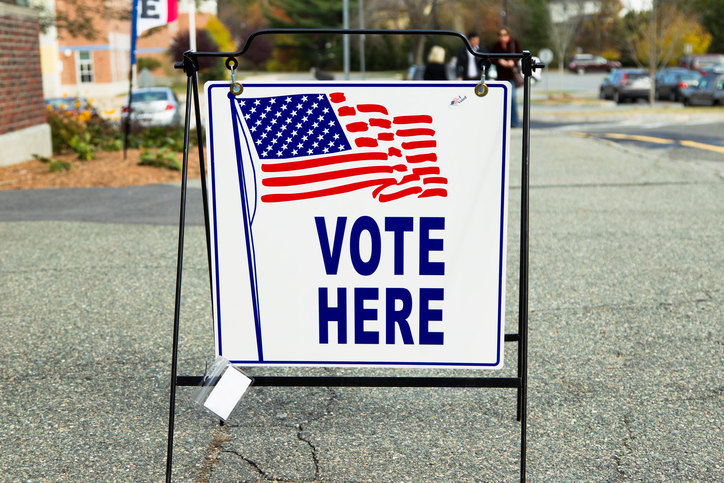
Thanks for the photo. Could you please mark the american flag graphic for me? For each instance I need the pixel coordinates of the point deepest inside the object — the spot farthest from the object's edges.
(318, 145)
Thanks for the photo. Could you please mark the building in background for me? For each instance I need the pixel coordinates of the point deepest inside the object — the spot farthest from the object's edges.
(92, 68)
(23, 127)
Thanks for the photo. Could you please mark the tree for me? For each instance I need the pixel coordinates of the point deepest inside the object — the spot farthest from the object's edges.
(211, 67)
(75, 17)
(713, 21)
(562, 34)
(530, 22)
(657, 36)
(304, 51)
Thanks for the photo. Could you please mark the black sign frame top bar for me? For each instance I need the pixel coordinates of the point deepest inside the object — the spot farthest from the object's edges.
(190, 66)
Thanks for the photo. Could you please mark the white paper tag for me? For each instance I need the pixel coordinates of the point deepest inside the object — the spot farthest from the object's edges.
(228, 392)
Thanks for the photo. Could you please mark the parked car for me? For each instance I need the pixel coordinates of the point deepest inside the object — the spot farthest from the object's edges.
(624, 84)
(674, 83)
(709, 92)
(154, 106)
(75, 105)
(712, 69)
(699, 61)
(583, 63)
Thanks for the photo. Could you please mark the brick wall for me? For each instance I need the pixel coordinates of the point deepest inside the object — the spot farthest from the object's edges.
(21, 84)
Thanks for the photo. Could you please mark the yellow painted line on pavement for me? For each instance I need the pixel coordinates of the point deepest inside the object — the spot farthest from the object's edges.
(644, 139)
(649, 139)
(708, 147)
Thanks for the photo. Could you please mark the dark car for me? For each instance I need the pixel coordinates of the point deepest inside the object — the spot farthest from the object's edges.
(624, 84)
(583, 63)
(673, 83)
(699, 61)
(712, 69)
(709, 92)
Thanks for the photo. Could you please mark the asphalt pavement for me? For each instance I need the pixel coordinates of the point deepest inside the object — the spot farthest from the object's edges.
(626, 344)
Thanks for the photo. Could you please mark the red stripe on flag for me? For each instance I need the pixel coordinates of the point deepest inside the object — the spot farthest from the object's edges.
(383, 186)
(277, 198)
(357, 126)
(419, 144)
(337, 97)
(412, 119)
(408, 178)
(416, 132)
(421, 158)
(383, 123)
(386, 136)
(427, 170)
(331, 175)
(323, 161)
(394, 152)
(384, 198)
(366, 142)
(435, 179)
(372, 108)
(434, 192)
(346, 111)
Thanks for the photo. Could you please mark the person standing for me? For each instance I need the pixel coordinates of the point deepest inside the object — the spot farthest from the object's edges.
(467, 64)
(435, 67)
(506, 44)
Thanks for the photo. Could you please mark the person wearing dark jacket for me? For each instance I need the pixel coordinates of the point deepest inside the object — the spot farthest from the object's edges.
(435, 67)
(507, 45)
(467, 65)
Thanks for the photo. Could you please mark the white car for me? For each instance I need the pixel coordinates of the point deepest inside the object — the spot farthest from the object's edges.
(154, 106)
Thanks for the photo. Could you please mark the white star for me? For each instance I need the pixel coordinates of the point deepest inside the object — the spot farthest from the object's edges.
(294, 153)
(326, 131)
(272, 100)
(304, 99)
(315, 145)
(336, 136)
(257, 102)
(325, 150)
(326, 110)
(320, 97)
(288, 99)
(315, 105)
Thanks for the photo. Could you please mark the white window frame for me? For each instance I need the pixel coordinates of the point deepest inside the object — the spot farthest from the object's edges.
(88, 63)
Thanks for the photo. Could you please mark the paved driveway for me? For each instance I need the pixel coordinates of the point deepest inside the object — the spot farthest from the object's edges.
(626, 356)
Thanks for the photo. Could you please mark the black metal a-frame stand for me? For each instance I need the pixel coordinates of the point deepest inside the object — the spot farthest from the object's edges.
(520, 383)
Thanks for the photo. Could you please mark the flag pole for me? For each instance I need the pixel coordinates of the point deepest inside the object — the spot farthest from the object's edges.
(131, 62)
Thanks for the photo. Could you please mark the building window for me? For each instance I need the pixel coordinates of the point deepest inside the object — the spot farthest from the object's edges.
(85, 66)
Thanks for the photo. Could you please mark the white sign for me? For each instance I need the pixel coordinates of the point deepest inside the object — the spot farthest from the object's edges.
(359, 224)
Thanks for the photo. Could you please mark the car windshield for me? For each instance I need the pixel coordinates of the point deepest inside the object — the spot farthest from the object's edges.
(637, 75)
(149, 96)
(687, 77)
